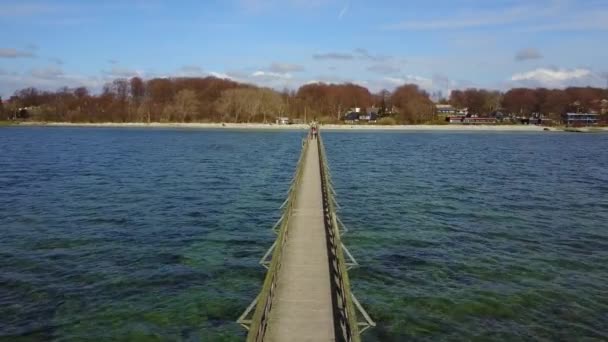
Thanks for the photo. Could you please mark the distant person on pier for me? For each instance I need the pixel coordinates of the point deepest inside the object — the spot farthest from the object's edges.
(313, 131)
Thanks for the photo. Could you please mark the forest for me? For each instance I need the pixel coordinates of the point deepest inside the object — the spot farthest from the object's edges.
(213, 99)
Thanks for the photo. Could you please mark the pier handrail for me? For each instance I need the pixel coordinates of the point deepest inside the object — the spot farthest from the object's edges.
(345, 306)
(346, 325)
(263, 303)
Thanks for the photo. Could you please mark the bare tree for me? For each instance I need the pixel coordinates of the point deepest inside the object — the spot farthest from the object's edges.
(214, 99)
(3, 115)
(185, 107)
(138, 89)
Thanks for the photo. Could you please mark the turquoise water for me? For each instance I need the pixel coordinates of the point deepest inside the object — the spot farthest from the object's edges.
(477, 236)
(143, 234)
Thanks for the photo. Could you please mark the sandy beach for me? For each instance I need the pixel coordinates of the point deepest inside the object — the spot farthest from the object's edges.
(332, 127)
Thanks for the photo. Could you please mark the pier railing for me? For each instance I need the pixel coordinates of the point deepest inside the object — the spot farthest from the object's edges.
(350, 319)
(258, 323)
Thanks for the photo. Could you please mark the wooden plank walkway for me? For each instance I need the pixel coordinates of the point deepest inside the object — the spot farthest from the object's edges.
(302, 308)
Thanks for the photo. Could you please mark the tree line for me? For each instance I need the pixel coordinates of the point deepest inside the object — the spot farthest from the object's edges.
(552, 103)
(212, 99)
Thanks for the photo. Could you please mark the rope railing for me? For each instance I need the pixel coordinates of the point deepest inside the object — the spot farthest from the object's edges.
(258, 323)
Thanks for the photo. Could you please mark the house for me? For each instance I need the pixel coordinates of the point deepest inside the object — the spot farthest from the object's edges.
(463, 111)
(282, 121)
(370, 115)
(372, 110)
(479, 121)
(455, 119)
(581, 119)
(351, 117)
(383, 112)
(21, 113)
(467, 120)
(539, 119)
(445, 109)
(497, 114)
(542, 121)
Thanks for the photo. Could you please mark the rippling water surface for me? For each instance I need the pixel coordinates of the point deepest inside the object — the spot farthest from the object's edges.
(127, 234)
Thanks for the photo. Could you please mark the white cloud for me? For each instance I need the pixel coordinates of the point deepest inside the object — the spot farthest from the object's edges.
(57, 61)
(478, 19)
(391, 83)
(358, 53)
(441, 81)
(25, 9)
(14, 53)
(528, 54)
(190, 71)
(277, 75)
(239, 76)
(121, 72)
(577, 19)
(261, 78)
(422, 82)
(365, 54)
(384, 69)
(283, 68)
(333, 55)
(395, 80)
(48, 73)
(332, 78)
(557, 78)
(531, 16)
(258, 6)
(271, 75)
(220, 75)
(50, 79)
(551, 75)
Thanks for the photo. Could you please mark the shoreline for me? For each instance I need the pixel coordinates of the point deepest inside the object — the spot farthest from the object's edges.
(328, 127)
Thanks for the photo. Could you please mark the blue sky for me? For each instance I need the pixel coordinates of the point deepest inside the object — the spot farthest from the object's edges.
(438, 44)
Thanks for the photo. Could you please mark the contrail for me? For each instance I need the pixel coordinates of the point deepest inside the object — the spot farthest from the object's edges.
(343, 11)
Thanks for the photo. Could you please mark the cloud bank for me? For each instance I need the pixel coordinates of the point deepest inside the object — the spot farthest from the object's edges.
(557, 78)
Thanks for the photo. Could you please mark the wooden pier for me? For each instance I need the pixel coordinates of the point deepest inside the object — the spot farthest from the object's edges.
(306, 293)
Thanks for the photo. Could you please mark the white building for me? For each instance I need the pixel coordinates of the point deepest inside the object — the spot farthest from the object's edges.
(282, 120)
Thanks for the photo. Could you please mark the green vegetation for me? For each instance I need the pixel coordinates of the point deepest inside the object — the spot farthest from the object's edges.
(438, 121)
(6, 123)
(150, 317)
(387, 121)
(328, 120)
